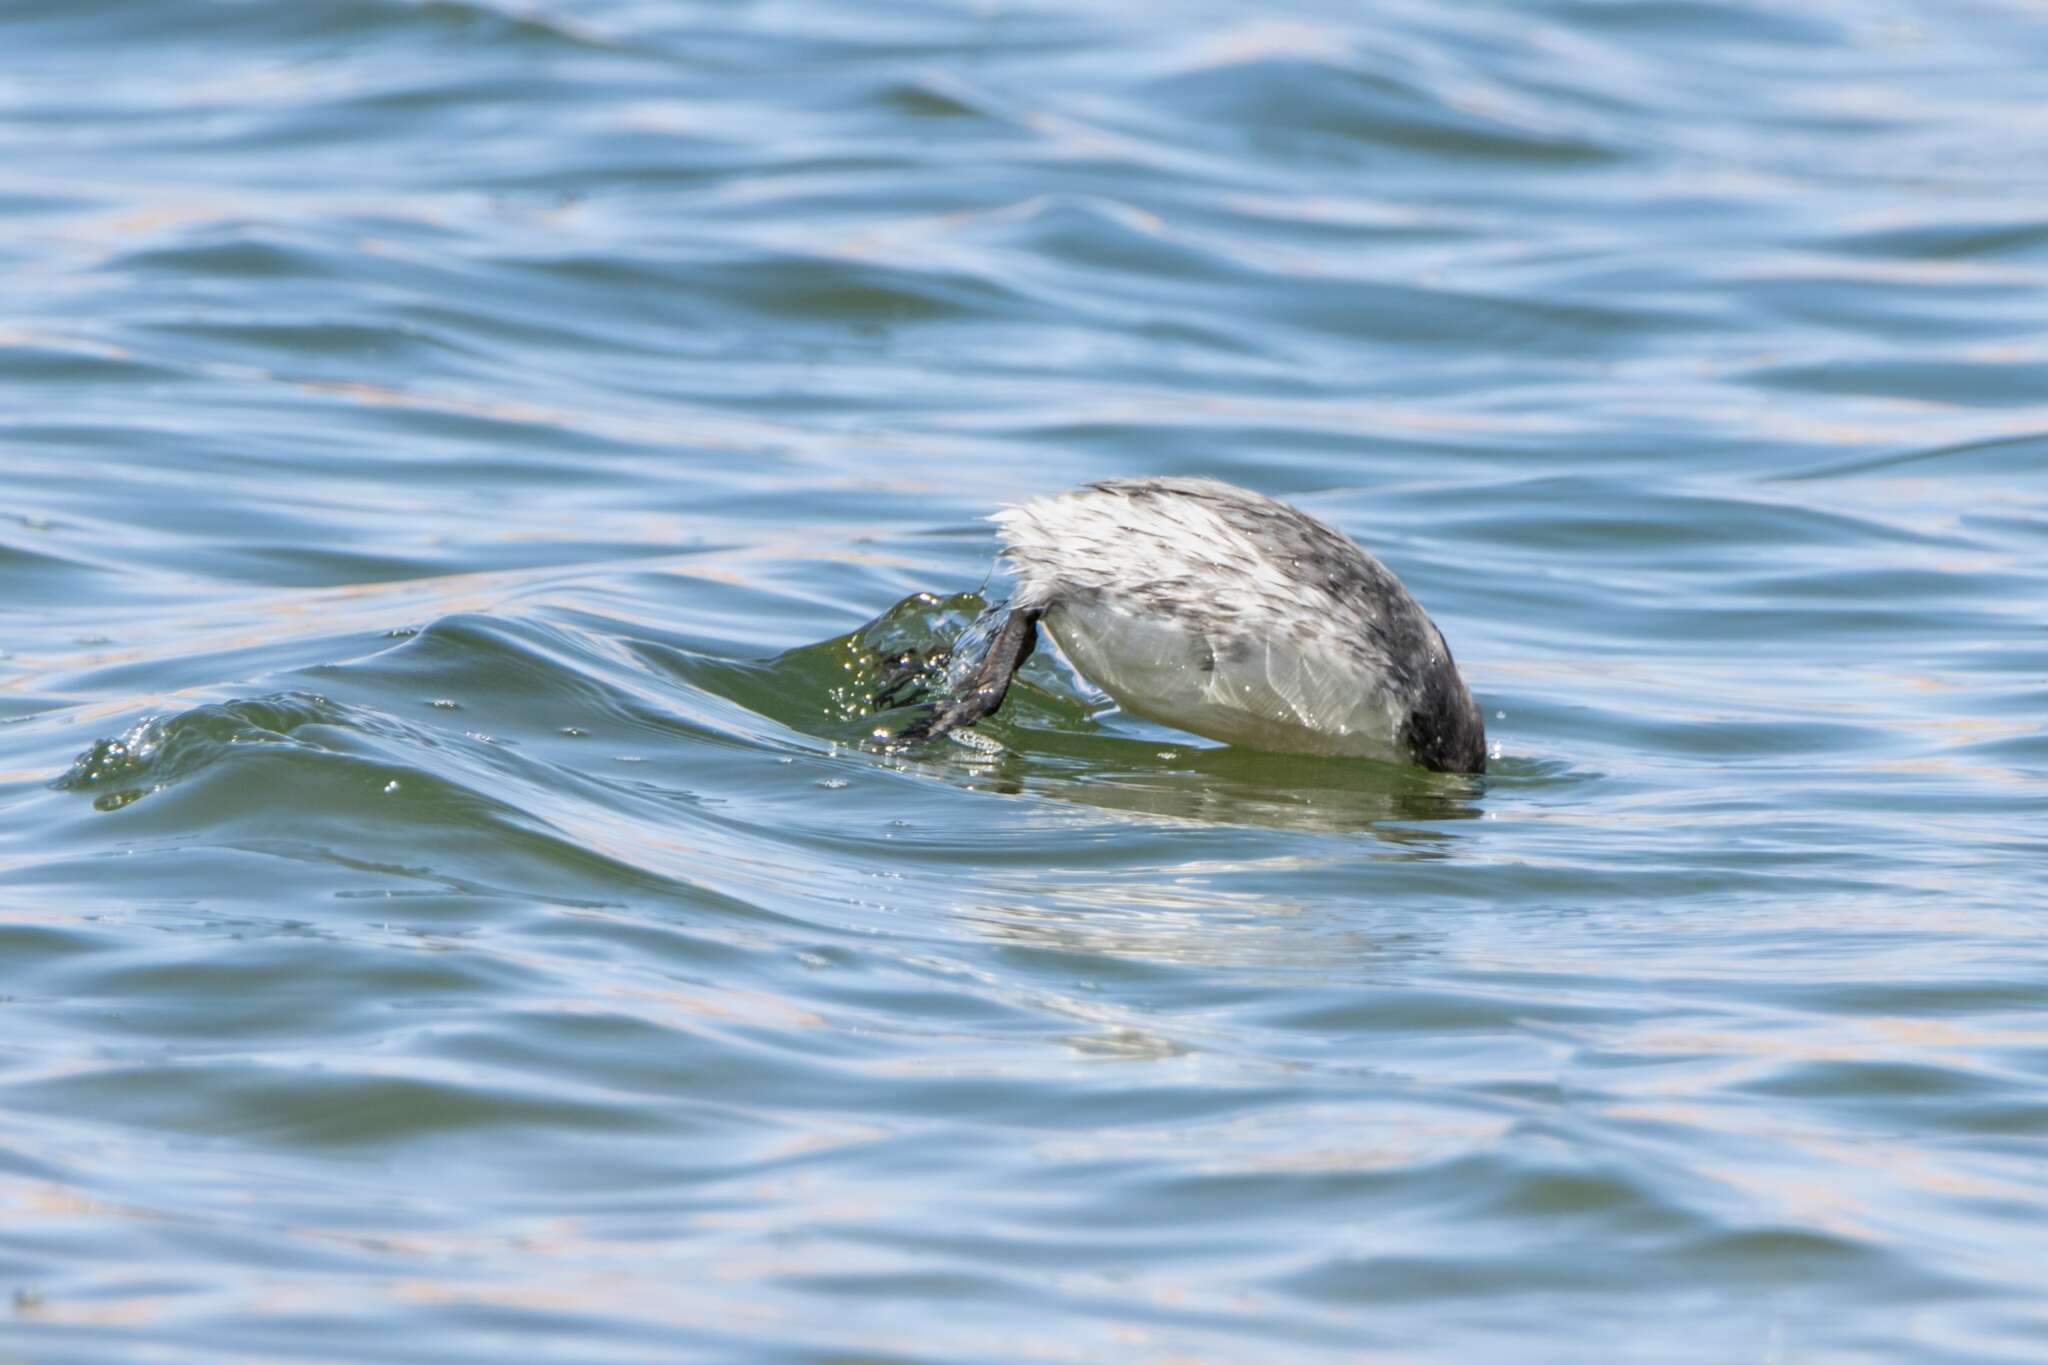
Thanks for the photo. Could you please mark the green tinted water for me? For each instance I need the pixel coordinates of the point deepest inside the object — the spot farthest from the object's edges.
(465, 469)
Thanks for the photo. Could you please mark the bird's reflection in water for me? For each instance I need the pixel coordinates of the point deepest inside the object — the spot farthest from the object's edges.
(1394, 805)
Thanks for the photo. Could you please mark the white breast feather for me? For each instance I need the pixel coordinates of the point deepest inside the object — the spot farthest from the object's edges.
(1227, 641)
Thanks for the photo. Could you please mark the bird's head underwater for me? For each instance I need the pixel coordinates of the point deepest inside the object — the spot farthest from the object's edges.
(1443, 731)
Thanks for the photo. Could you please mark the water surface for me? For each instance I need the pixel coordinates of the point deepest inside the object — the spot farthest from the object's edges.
(464, 467)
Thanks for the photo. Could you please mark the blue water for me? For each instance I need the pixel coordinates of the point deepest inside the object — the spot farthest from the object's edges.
(465, 469)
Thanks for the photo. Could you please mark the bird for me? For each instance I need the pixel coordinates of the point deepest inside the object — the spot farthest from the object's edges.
(1228, 614)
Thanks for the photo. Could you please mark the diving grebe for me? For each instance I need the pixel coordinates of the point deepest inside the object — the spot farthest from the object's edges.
(1229, 614)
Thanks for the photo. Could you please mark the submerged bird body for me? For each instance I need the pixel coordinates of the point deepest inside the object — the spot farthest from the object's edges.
(1231, 615)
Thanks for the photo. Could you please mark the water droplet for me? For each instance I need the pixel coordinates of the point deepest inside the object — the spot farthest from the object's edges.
(389, 787)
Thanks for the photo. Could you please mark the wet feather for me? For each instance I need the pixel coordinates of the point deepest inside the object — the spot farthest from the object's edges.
(1235, 616)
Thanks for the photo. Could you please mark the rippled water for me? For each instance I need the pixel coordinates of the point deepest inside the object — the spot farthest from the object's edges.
(465, 470)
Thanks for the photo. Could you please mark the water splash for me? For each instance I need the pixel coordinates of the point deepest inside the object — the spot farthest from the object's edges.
(156, 751)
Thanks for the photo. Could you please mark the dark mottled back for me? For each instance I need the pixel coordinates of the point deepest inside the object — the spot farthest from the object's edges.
(1327, 652)
(1443, 731)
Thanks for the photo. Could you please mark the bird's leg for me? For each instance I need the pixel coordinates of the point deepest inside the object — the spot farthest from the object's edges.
(989, 685)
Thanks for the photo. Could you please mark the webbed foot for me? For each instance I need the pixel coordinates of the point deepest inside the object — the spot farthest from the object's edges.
(985, 691)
